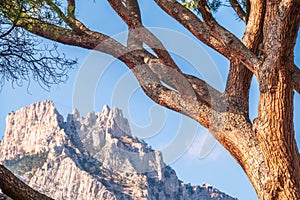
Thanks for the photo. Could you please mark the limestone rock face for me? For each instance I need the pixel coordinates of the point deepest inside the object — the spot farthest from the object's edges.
(32, 130)
(92, 157)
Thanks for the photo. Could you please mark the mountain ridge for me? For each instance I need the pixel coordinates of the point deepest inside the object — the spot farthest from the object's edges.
(92, 157)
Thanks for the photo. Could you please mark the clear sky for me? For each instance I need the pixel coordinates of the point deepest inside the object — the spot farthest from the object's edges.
(159, 127)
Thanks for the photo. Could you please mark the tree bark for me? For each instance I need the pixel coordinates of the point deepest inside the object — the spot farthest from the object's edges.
(274, 126)
(276, 136)
(16, 189)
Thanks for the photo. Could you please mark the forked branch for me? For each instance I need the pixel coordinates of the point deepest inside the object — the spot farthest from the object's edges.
(138, 30)
(212, 34)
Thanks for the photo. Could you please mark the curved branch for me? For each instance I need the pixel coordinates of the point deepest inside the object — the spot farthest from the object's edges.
(144, 34)
(164, 67)
(88, 40)
(231, 129)
(132, 21)
(8, 31)
(13, 24)
(212, 34)
(205, 12)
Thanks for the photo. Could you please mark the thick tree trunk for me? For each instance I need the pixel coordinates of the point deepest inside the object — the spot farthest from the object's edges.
(268, 153)
(280, 178)
(279, 174)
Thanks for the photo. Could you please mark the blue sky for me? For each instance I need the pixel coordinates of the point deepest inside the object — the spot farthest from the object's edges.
(156, 125)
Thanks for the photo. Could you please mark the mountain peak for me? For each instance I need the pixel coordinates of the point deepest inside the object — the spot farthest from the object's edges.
(105, 110)
(75, 113)
(92, 157)
(29, 130)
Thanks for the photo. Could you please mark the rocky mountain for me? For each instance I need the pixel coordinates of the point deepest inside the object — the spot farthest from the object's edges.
(94, 157)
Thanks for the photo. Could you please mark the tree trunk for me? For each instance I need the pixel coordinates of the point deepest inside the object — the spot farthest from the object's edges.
(279, 174)
(268, 153)
(280, 178)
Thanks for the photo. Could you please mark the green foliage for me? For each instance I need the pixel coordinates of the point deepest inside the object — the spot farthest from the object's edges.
(190, 4)
(34, 60)
(71, 11)
(27, 163)
(214, 5)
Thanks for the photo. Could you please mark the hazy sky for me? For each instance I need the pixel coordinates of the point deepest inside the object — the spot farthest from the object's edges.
(185, 143)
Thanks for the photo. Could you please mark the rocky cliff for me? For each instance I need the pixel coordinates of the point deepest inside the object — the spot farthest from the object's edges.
(89, 158)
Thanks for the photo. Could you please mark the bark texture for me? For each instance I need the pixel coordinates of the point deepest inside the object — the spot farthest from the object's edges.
(16, 189)
(265, 147)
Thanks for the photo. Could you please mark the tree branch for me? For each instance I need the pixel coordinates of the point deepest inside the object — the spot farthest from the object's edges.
(205, 12)
(164, 67)
(132, 21)
(16, 189)
(211, 34)
(13, 24)
(8, 31)
(239, 77)
(191, 106)
(144, 34)
(71, 8)
(253, 34)
(134, 10)
(231, 129)
(70, 19)
(206, 93)
(88, 40)
(238, 10)
(247, 9)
